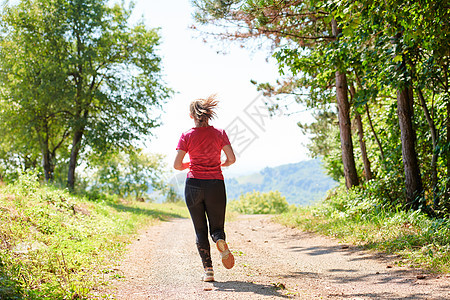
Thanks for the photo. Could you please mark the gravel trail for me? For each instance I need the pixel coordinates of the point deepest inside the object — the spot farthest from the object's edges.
(272, 262)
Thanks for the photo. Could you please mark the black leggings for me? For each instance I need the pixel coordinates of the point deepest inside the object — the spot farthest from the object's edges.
(206, 198)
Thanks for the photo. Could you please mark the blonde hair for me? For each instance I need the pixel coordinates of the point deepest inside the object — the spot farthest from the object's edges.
(202, 110)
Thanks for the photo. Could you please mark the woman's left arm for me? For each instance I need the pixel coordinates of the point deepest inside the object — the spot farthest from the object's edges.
(229, 153)
(178, 164)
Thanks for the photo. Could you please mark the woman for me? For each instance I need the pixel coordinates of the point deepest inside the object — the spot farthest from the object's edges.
(205, 189)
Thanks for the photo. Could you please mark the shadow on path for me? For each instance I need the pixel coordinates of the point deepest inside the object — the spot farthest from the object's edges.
(348, 276)
(157, 214)
(384, 296)
(401, 278)
(356, 253)
(248, 287)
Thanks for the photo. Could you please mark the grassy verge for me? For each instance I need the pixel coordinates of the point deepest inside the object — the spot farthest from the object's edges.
(54, 245)
(360, 218)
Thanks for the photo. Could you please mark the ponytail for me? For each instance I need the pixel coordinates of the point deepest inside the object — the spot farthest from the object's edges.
(203, 109)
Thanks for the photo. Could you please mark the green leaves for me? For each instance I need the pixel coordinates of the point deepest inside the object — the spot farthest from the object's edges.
(130, 173)
(381, 47)
(77, 68)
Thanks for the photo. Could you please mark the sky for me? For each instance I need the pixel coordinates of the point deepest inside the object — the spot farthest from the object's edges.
(195, 69)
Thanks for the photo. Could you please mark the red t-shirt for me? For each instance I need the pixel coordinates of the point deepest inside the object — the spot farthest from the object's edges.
(204, 146)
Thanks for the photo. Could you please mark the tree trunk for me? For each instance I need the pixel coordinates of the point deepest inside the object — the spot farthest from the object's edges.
(447, 156)
(47, 164)
(46, 155)
(380, 146)
(30, 162)
(362, 145)
(78, 131)
(447, 189)
(434, 141)
(348, 159)
(76, 145)
(413, 181)
(46, 161)
(369, 119)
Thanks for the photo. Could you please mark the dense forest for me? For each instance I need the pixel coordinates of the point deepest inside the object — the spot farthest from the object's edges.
(301, 183)
(375, 74)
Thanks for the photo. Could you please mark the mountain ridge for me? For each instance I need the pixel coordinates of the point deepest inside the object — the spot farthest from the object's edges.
(301, 183)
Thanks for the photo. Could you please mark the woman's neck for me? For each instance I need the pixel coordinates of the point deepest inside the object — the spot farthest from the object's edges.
(199, 124)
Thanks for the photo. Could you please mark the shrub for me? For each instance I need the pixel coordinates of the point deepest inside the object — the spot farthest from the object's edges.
(260, 203)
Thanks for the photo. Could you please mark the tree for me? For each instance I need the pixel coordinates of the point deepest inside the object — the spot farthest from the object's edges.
(385, 49)
(116, 76)
(127, 173)
(395, 40)
(348, 159)
(94, 78)
(362, 143)
(34, 87)
(297, 28)
(413, 181)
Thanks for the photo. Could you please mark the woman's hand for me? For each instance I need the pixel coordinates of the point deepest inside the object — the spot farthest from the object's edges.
(185, 166)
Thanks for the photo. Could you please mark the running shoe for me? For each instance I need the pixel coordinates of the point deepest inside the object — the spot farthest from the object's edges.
(208, 276)
(227, 256)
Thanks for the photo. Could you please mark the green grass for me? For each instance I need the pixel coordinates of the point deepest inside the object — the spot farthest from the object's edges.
(54, 245)
(360, 218)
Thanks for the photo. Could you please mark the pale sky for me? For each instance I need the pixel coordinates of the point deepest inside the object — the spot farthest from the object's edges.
(195, 70)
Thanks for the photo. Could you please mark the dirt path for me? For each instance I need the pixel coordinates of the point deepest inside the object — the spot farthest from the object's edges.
(272, 262)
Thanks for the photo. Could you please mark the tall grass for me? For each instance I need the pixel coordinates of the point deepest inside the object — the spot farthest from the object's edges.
(54, 245)
(363, 217)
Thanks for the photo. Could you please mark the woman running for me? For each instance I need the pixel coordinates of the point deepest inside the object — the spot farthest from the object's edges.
(205, 189)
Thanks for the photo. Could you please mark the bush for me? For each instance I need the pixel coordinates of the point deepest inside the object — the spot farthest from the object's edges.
(260, 203)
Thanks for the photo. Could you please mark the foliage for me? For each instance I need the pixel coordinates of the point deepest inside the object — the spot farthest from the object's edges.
(126, 173)
(369, 218)
(75, 77)
(260, 203)
(55, 245)
(31, 78)
(383, 47)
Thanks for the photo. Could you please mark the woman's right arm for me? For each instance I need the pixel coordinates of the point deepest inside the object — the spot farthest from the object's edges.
(178, 164)
(229, 153)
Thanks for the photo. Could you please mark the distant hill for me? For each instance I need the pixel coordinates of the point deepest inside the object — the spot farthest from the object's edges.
(301, 183)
